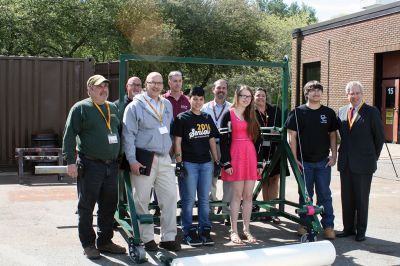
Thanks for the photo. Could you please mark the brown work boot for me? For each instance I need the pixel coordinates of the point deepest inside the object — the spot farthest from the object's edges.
(111, 248)
(91, 253)
(301, 230)
(329, 233)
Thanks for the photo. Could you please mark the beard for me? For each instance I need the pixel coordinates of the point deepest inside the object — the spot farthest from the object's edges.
(220, 96)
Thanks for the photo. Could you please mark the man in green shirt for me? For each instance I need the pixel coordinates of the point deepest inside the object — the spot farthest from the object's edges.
(91, 146)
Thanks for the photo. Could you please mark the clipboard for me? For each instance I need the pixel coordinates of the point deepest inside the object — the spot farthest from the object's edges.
(145, 157)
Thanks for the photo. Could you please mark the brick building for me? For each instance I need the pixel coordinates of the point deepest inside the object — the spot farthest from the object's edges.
(363, 46)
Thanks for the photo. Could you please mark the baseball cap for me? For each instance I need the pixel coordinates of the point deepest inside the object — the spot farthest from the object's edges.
(96, 80)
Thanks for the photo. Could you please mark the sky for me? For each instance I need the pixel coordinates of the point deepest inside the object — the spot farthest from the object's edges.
(328, 9)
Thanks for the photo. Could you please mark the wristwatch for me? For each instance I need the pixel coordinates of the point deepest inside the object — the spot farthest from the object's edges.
(178, 155)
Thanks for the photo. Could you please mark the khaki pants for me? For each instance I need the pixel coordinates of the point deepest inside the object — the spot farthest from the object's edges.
(163, 179)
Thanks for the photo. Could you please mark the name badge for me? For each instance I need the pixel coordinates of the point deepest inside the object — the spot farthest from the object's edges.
(266, 143)
(112, 139)
(163, 130)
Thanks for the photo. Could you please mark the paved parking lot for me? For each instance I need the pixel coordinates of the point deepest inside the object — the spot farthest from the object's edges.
(39, 225)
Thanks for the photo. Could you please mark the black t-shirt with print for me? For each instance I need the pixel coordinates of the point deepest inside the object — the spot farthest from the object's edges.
(314, 127)
(195, 130)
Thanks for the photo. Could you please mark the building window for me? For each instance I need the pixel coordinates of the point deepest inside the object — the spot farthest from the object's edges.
(311, 71)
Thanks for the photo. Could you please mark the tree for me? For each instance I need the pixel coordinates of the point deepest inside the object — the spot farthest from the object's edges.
(67, 28)
(279, 8)
(8, 29)
(143, 25)
(226, 29)
(103, 29)
(277, 41)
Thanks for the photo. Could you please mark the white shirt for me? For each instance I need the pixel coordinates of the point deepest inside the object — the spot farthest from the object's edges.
(156, 104)
(216, 111)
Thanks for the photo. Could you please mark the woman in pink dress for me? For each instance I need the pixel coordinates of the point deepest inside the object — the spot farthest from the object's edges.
(240, 149)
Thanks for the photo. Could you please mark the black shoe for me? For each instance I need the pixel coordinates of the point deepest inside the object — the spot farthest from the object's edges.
(227, 222)
(111, 248)
(192, 238)
(170, 245)
(206, 238)
(151, 246)
(92, 253)
(345, 234)
(265, 219)
(360, 237)
(275, 220)
(157, 212)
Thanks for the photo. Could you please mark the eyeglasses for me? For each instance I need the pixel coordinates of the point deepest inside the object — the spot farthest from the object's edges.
(155, 83)
(135, 84)
(315, 90)
(354, 93)
(245, 96)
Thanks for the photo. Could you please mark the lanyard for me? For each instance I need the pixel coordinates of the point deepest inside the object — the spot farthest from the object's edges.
(351, 121)
(159, 115)
(215, 113)
(265, 122)
(108, 119)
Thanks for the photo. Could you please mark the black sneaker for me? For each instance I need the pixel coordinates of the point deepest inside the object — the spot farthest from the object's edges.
(157, 212)
(206, 238)
(170, 245)
(192, 238)
(227, 221)
(151, 246)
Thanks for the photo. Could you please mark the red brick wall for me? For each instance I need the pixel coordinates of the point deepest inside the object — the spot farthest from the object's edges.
(352, 55)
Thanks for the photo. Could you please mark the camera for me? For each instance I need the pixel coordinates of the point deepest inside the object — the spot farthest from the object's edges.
(142, 170)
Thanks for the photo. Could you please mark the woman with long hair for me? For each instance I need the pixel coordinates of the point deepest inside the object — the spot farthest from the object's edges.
(269, 116)
(240, 151)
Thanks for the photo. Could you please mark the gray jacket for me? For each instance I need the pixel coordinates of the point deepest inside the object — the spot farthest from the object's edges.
(140, 128)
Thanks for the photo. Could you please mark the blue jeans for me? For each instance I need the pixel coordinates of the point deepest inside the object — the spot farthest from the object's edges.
(197, 178)
(319, 175)
(97, 182)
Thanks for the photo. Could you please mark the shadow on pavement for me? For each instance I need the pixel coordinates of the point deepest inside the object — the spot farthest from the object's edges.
(11, 178)
(372, 246)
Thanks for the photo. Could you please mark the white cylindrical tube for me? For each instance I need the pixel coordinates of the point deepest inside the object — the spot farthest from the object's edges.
(52, 169)
(307, 254)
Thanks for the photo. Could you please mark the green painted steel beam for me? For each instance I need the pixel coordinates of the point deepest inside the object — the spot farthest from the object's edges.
(284, 65)
(199, 61)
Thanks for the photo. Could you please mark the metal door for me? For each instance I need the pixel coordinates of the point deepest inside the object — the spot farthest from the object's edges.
(390, 109)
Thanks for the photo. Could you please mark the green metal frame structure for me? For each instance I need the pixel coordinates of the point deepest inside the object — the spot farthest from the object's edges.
(126, 215)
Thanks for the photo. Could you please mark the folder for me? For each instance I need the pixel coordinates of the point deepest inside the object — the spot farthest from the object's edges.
(145, 157)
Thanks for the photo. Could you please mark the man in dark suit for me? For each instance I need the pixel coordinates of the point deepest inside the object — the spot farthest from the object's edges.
(362, 139)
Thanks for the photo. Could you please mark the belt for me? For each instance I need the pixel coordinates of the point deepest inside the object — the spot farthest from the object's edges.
(108, 162)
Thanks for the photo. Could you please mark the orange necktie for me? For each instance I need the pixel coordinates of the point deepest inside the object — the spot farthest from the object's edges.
(351, 111)
(350, 115)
